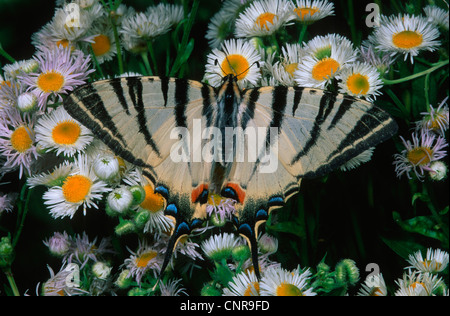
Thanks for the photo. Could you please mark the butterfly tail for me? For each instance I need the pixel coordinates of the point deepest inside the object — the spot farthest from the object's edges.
(248, 233)
(181, 229)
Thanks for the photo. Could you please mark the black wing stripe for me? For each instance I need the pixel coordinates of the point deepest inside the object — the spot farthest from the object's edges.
(135, 91)
(181, 100)
(116, 84)
(324, 110)
(298, 92)
(94, 104)
(76, 110)
(207, 108)
(343, 108)
(165, 88)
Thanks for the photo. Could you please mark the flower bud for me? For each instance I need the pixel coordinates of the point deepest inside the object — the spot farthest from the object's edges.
(125, 227)
(26, 102)
(347, 272)
(268, 244)
(6, 252)
(58, 244)
(138, 193)
(438, 170)
(119, 200)
(106, 167)
(101, 270)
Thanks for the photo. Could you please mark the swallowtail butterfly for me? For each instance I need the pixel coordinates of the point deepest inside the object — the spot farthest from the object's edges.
(254, 146)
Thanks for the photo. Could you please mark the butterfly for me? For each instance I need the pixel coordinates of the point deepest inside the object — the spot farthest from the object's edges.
(253, 146)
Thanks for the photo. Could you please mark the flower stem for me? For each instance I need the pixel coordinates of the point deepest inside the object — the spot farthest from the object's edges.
(6, 55)
(152, 55)
(21, 214)
(12, 282)
(117, 40)
(416, 75)
(302, 33)
(147, 63)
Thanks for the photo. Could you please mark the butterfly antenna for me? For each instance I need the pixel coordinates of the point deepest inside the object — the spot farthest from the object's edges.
(257, 64)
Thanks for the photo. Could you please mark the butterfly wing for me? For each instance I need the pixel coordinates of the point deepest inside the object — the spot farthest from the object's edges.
(148, 121)
(303, 133)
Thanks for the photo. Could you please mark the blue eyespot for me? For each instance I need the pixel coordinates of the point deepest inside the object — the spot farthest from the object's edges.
(261, 215)
(171, 209)
(182, 229)
(276, 200)
(246, 230)
(162, 190)
(196, 223)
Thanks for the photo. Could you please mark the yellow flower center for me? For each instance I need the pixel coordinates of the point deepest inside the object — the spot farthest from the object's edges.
(420, 156)
(376, 291)
(143, 260)
(214, 199)
(153, 202)
(66, 133)
(101, 45)
(324, 69)
(303, 12)
(265, 18)
(286, 289)
(50, 81)
(434, 265)
(235, 65)
(251, 288)
(407, 39)
(291, 68)
(21, 140)
(76, 188)
(64, 43)
(358, 84)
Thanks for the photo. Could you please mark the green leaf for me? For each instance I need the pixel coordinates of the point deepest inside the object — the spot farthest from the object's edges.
(403, 248)
(424, 225)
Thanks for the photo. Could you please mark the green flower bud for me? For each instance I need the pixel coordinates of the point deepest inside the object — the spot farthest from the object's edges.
(240, 253)
(138, 193)
(141, 218)
(347, 272)
(124, 281)
(6, 252)
(125, 227)
(210, 290)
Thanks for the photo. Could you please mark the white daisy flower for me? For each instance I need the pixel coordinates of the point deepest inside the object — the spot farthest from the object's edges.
(53, 178)
(415, 283)
(283, 70)
(65, 29)
(145, 259)
(309, 11)
(437, 16)
(59, 131)
(374, 285)
(263, 18)
(435, 261)
(80, 188)
(219, 247)
(243, 284)
(103, 42)
(17, 143)
(407, 35)
(324, 58)
(236, 57)
(280, 282)
(146, 26)
(61, 70)
(360, 80)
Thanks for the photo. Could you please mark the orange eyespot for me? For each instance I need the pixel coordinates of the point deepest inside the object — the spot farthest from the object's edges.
(197, 192)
